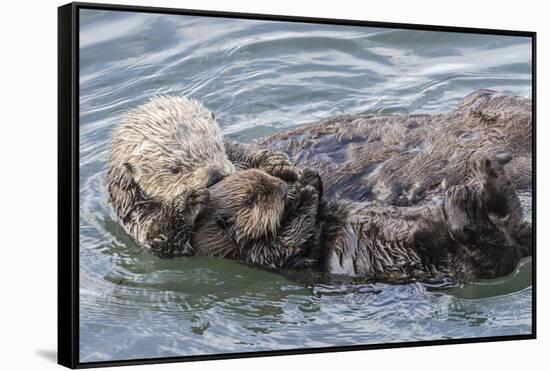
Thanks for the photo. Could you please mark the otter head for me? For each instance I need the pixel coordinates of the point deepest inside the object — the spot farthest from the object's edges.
(170, 144)
(248, 204)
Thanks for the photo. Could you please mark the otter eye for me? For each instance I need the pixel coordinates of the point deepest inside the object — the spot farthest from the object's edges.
(222, 221)
(175, 169)
(129, 167)
(249, 199)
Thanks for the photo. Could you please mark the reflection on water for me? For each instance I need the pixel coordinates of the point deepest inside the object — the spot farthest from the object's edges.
(260, 77)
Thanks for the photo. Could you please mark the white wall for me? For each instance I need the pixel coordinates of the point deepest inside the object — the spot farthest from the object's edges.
(28, 153)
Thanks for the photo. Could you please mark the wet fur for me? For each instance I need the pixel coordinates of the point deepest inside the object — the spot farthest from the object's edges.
(407, 160)
(164, 154)
(464, 235)
(251, 218)
(376, 240)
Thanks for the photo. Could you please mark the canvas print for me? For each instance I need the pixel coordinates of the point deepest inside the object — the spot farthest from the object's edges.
(253, 185)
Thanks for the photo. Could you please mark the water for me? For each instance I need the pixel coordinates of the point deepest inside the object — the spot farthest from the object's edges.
(260, 77)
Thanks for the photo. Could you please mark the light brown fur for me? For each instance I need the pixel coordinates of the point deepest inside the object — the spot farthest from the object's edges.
(163, 156)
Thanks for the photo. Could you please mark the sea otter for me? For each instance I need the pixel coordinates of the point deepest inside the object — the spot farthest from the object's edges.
(462, 235)
(407, 160)
(255, 218)
(164, 155)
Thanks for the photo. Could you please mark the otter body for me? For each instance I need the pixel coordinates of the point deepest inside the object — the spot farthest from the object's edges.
(463, 235)
(164, 155)
(406, 160)
(399, 244)
(465, 222)
(476, 230)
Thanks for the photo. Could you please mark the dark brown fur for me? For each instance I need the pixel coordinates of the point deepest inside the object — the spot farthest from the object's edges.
(406, 160)
(464, 235)
(250, 218)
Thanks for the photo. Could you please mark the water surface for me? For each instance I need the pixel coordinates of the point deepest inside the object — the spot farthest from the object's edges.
(260, 77)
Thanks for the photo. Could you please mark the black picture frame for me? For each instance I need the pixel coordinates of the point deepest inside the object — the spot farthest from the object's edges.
(68, 182)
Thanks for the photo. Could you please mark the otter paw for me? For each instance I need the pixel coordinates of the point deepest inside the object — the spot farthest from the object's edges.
(310, 177)
(191, 203)
(183, 248)
(489, 163)
(161, 247)
(483, 168)
(279, 166)
(307, 197)
(465, 213)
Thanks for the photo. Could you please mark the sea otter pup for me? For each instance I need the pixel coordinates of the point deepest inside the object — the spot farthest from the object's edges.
(255, 218)
(164, 155)
(460, 236)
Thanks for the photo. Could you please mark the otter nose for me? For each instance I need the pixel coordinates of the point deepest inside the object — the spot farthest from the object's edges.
(214, 177)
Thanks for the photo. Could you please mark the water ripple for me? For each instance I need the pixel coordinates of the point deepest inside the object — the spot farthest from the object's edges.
(260, 77)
